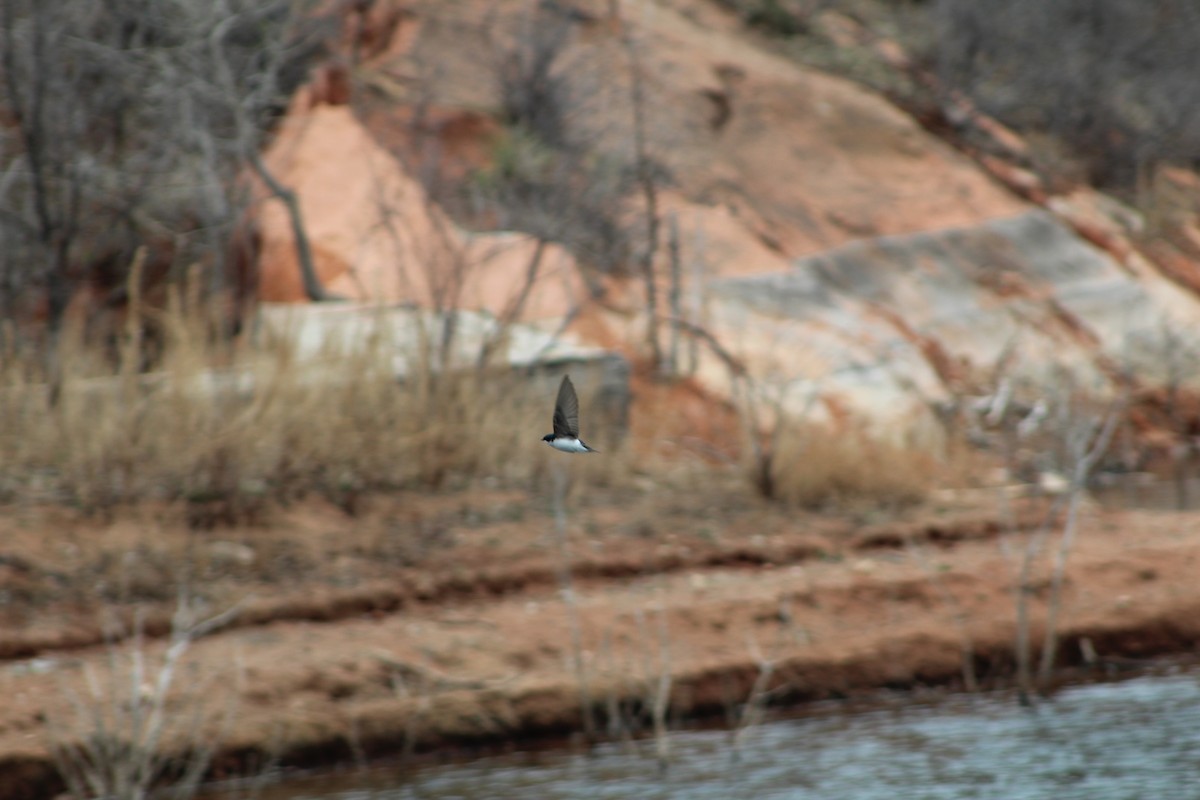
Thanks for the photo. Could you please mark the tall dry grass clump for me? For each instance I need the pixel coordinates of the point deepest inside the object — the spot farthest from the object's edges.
(227, 430)
(819, 468)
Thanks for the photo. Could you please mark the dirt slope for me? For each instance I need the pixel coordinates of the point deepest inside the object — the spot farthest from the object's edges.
(355, 640)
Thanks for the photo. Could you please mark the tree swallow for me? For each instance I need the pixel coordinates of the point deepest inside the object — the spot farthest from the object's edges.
(566, 422)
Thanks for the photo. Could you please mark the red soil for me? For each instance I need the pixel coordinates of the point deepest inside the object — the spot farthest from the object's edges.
(436, 621)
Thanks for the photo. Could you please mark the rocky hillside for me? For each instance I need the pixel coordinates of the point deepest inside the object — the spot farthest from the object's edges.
(529, 159)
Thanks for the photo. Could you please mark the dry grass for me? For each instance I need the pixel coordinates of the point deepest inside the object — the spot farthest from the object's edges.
(818, 468)
(224, 433)
(226, 444)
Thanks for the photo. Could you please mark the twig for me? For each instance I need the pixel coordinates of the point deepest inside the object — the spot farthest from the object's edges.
(752, 711)
(674, 293)
(571, 603)
(557, 334)
(313, 289)
(1084, 464)
(646, 182)
(515, 306)
(662, 693)
(735, 366)
(1024, 589)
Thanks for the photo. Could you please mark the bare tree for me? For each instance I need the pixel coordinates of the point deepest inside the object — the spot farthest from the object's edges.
(131, 124)
(1023, 590)
(247, 103)
(45, 201)
(647, 181)
(1088, 443)
(535, 93)
(1079, 438)
(548, 177)
(1114, 78)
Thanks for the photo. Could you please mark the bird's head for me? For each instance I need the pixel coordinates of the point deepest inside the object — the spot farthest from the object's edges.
(549, 437)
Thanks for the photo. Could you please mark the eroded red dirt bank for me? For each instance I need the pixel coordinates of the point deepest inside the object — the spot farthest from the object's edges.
(359, 637)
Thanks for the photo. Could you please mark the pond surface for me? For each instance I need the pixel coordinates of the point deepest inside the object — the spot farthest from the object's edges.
(1138, 738)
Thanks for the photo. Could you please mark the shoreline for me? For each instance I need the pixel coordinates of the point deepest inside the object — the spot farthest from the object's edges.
(832, 610)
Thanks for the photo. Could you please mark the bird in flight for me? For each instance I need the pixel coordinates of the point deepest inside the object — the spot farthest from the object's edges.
(566, 422)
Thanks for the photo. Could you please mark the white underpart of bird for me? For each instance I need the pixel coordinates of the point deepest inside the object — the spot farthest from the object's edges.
(570, 446)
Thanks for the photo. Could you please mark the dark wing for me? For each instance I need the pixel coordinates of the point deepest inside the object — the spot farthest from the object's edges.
(566, 410)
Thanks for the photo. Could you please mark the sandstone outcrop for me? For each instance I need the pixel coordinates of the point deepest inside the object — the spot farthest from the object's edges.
(828, 241)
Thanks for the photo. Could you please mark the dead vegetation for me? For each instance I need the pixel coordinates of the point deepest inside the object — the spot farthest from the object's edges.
(129, 127)
(227, 431)
(817, 468)
(145, 719)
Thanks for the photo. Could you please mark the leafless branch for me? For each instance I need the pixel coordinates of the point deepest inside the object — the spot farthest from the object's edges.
(1090, 446)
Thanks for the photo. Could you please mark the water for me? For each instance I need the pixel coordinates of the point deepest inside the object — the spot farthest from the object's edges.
(1136, 739)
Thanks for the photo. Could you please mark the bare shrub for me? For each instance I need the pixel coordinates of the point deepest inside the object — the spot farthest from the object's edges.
(535, 93)
(571, 198)
(568, 163)
(130, 125)
(1114, 78)
(1070, 441)
(777, 17)
(133, 728)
